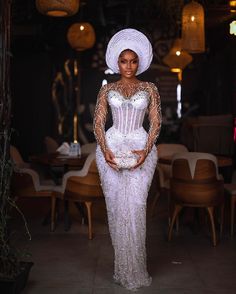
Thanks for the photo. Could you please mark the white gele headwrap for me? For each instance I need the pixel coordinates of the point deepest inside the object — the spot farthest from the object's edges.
(133, 40)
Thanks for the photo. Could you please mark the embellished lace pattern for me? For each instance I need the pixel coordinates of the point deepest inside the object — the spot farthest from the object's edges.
(100, 118)
(126, 191)
(128, 110)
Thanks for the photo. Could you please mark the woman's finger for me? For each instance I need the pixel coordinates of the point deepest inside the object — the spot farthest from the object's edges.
(139, 162)
(136, 152)
(112, 161)
(114, 166)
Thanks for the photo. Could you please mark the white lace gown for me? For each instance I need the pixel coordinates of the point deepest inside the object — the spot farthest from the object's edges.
(126, 190)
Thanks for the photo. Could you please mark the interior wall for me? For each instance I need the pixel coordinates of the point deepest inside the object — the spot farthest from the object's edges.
(32, 113)
(208, 82)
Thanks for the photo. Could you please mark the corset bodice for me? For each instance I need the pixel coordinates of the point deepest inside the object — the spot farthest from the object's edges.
(128, 113)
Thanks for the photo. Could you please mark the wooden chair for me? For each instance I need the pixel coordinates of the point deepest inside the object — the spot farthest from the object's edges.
(83, 186)
(25, 182)
(17, 158)
(51, 145)
(195, 182)
(163, 172)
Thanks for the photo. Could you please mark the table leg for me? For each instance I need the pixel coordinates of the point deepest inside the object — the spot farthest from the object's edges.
(80, 208)
(67, 220)
(47, 219)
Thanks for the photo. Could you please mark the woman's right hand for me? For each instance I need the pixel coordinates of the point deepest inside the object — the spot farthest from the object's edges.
(109, 157)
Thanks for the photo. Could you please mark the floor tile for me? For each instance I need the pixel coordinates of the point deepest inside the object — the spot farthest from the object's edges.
(69, 263)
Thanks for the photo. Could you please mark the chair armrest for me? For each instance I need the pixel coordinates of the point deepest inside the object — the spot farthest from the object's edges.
(34, 175)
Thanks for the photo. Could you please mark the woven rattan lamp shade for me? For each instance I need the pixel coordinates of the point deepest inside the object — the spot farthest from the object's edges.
(58, 8)
(81, 36)
(193, 34)
(177, 59)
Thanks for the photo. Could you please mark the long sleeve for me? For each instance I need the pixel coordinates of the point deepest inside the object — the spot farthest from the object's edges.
(155, 118)
(100, 115)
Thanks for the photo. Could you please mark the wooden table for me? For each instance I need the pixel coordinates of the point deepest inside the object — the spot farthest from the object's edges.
(59, 160)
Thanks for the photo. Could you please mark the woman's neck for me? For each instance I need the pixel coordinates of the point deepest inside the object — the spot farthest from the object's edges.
(128, 81)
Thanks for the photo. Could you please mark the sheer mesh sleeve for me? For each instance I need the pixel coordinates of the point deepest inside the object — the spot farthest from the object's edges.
(155, 117)
(99, 120)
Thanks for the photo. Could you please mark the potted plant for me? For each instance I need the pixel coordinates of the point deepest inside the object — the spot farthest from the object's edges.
(13, 272)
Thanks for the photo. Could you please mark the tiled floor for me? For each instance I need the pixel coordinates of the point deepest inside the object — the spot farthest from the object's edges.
(68, 263)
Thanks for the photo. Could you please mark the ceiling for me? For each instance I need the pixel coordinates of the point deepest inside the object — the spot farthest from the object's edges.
(108, 16)
(125, 12)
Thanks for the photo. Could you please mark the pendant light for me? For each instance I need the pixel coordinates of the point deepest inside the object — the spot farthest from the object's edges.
(177, 59)
(193, 33)
(58, 8)
(232, 5)
(81, 36)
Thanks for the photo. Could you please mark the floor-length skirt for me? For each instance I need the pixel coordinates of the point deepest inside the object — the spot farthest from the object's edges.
(126, 194)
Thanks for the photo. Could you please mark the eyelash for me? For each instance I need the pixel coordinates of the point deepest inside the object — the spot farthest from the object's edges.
(134, 62)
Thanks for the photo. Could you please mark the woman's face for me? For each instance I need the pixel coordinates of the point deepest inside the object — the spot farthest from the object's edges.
(128, 63)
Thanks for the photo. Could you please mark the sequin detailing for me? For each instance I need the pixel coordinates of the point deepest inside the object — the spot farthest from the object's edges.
(128, 104)
(126, 191)
(126, 160)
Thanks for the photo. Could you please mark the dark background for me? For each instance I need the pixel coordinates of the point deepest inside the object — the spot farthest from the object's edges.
(40, 49)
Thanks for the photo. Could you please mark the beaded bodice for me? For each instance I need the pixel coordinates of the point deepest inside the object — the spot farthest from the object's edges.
(128, 114)
(128, 106)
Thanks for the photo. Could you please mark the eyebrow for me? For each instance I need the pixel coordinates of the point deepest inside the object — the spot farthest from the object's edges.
(126, 58)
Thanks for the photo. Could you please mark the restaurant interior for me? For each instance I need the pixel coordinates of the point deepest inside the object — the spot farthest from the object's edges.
(52, 205)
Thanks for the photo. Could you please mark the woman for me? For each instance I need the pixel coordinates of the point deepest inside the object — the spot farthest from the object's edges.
(126, 186)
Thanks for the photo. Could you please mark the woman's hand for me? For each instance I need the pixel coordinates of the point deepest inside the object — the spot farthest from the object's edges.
(109, 157)
(142, 156)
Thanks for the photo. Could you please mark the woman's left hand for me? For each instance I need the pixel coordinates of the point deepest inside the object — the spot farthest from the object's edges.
(142, 156)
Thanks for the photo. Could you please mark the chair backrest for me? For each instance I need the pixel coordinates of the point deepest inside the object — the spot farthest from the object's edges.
(88, 148)
(194, 166)
(168, 150)
(17, 158)
(85, 186)
(22, 184)
(195, 178)
(51, 145)
(15, 155)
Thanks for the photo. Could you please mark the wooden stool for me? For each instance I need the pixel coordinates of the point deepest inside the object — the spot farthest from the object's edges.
(231, 189)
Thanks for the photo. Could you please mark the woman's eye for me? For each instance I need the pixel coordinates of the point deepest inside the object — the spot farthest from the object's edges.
(135, 61)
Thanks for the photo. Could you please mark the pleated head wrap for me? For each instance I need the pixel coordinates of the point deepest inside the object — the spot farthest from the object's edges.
(133, 40)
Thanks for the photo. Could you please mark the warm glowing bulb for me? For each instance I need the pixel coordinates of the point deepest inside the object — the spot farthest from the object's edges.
(178, 53)
(232, 3)
(192, 18)
(81, 28)
(175, 69)
(233, 28)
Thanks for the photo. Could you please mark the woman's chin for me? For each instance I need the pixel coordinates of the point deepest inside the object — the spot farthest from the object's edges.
(129, 76)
